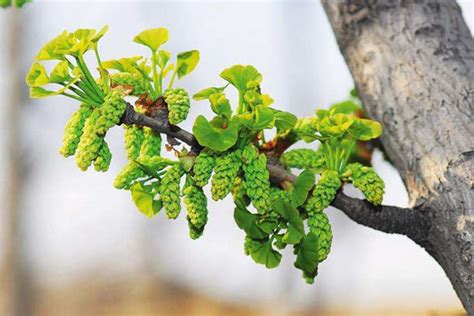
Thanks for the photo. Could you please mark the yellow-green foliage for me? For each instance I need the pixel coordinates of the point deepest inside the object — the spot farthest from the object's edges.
(305, 128)
(230, 149)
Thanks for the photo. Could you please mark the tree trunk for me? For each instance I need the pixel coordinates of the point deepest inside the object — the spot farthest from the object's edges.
(413, 65)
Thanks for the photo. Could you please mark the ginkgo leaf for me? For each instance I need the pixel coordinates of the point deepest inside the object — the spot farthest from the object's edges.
(144, 200)
(39, 92)
(152, 38)
(187, 61)
(214, 134)
(240, 76)
(163, 57)
(262, 252)
(48, 51)
(95, 39)
(60, 73)
(307, 256)
(205, 94)
(37, 76)
(127, 64)
(364, 129)
(335, 124)
(284, 121)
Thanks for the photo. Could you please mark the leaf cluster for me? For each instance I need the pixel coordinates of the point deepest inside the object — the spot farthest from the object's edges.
(238, 125)
(234, 154)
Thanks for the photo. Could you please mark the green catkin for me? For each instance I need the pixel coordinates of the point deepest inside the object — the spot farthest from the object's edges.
(322, 196)
(277, 193)
(367, 180)
(149, 154)
(324, 192)
(169, 191)
(135, 82)
(129, 173)
(196, 207)
(133, 171)
(194, 231)
(102, 162)
(226, 170)
(151, 145)
(303, 158)
(318, 223)
(239, 192)
(111, 111)
(178, 104)
(90, 143)
(257, 178)
(73, 130)
(134, 137)
(97, 125)
(202, 168)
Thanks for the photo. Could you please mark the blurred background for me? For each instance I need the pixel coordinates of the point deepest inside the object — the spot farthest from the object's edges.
(70, 244)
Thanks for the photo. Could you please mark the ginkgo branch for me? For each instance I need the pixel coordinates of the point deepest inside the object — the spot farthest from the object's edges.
(385, 218)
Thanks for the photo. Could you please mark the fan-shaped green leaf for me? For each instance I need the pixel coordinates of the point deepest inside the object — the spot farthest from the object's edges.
(152, 38)
(218, 134)
(307, 256)
(241, 76)
(262, 252)
(37, 76)
(60, 73)
(364, 129)
(143, 198)
(187, 61)
(204, 94)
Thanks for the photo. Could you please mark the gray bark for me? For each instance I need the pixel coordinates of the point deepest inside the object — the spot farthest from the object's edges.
(413, 65)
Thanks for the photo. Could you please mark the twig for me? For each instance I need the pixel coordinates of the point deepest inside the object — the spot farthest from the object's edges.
(389, 219)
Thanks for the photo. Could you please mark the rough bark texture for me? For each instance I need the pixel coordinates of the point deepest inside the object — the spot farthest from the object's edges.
(413, 64)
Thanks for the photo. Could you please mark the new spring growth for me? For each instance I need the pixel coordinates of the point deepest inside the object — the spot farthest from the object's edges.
(233, 152)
